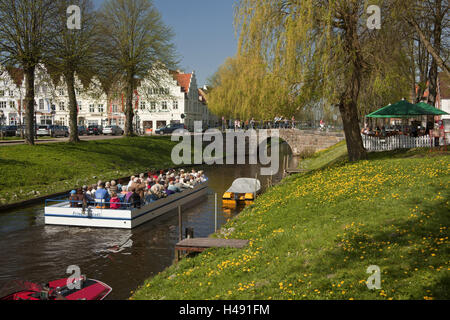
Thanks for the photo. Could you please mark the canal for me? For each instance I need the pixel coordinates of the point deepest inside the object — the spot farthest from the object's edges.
(123, 259)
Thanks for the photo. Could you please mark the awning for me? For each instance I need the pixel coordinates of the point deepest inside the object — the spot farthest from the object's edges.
(404, 109)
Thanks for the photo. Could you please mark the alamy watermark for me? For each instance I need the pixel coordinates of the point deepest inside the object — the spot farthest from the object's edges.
(223, 146)
(374, 281)
(74, 19)
(374, 20)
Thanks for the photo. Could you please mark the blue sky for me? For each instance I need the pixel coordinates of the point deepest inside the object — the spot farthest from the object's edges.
(204, 33)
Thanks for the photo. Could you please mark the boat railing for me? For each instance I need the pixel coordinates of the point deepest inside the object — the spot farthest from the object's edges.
(98, 204)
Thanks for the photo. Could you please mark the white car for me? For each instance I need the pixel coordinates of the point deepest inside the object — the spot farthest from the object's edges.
(113, 130)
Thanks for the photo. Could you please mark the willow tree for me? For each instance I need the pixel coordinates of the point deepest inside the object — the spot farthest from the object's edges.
(24, 34)
(323, 48)
(72, 52)
(133, 40)
(244, 87)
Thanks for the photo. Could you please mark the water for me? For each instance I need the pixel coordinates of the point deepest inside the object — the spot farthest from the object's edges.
(123, 259)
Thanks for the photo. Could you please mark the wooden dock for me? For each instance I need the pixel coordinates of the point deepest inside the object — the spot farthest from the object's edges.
(201, 244)
(294, 171)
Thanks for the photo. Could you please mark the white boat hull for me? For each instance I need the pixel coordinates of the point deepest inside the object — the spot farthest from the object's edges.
(62, 214)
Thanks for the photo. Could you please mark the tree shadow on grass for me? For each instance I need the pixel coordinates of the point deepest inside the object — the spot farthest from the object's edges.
(139, 154)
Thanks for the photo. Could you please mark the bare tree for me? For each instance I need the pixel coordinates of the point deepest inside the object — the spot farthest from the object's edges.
(73, 52)
(133, 41)
(24, 34)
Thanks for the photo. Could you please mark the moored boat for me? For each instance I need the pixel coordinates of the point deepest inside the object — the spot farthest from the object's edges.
(62, 289)
(242, 192)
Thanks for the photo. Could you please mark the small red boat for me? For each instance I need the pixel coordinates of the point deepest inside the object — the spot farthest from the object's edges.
(63, 289)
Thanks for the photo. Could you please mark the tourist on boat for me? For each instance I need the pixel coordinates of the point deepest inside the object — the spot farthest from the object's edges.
(107, 187)
(113, 187)
(87, 193)
(134, 200)
(101, 196)
(131, 181)
(73, 199)
(172, 187)
(157, 190)
(114, 202)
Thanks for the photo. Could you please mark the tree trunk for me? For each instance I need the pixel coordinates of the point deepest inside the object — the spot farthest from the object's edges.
(355, 147)
(29, 103)
(433, 76)
(73, 107)
(129, 112)
(348, 104)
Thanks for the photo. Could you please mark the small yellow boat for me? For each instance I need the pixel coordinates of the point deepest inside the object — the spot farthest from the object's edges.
(242, 192)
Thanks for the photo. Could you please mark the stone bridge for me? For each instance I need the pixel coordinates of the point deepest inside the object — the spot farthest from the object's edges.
(298, 140)
(309, 140)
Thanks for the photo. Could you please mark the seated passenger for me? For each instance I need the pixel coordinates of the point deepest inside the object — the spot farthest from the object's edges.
(114, 202)
(172, 187)
(113, 188)
(101, 196)
(73, 199)
(157, 190)
(134, 200)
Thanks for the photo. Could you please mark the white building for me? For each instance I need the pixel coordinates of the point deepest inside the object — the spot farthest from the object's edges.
(170, 97)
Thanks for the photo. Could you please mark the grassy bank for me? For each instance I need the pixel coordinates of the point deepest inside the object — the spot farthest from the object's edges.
(27, 172)
(315, 235)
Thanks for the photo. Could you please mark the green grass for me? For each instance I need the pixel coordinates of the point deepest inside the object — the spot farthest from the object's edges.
(315, 235)
(30, 171)
(325, 157)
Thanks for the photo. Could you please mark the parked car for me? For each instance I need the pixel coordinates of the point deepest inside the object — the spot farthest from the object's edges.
(113, 130)
(9, 131)
(95, 129)
(170, 128)
(51, 130)
(20, 129)
(82, 131)
(66, 131)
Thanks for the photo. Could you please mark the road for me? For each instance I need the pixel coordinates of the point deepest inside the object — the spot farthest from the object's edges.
(54, 140)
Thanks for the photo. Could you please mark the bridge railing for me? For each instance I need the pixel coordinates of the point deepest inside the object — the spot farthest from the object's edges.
(271, 124)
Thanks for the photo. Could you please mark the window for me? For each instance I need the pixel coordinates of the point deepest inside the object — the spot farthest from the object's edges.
(12, 104)
(153, 105)
(2, 93)
(2, 104)
(114, 108)
(100, 108)
(162, 90)
(41, 104)
(91, 108)
(61, 92)
(79, 107)
(164, 105)
(62, 107)
(142, 105)
(175, 105)
(11, 93)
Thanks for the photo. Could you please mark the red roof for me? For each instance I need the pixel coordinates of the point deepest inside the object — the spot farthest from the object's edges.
(183, 79)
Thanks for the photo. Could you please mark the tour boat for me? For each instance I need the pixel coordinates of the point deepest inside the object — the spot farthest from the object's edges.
(60, 212)
(241, 193)
(62, 289)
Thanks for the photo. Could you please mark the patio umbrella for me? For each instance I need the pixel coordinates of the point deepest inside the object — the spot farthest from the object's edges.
(436, 111)
(404, 109)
